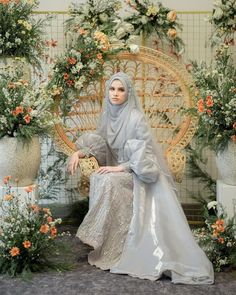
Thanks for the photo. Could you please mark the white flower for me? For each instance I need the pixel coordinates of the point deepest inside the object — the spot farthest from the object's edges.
(134, 48)
(144, 19)
(103, 17)
(120, 33)
(212, 204)
(218, 13)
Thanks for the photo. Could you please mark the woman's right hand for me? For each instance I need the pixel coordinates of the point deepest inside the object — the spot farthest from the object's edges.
(74, 162)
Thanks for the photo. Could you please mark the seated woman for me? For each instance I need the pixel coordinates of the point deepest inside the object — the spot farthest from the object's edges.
(135, 223)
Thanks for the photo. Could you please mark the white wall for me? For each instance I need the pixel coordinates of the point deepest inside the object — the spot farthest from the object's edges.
(181, 5)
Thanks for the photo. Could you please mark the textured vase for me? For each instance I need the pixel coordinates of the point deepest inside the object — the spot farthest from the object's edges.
(19, 160)
(226, 164)
(10, 64)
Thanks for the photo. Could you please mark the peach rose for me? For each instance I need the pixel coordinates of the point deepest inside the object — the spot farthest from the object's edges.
(171, 16)
(172, 33)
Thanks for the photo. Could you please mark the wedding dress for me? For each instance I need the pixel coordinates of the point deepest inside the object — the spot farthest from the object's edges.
(135, 222)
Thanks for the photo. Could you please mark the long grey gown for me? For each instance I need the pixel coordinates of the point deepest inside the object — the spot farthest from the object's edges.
(135, 222)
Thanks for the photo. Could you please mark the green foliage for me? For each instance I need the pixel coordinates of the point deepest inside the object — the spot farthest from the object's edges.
(28, 235)
(217, 238)
(196, 171)
(20, 34)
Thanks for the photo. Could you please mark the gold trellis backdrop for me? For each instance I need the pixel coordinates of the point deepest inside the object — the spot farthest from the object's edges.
(195, 33)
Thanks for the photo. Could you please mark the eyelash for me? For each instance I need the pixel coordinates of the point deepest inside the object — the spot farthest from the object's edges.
(120, 89)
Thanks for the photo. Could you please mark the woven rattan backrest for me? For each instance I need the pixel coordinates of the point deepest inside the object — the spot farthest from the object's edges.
(164, 88)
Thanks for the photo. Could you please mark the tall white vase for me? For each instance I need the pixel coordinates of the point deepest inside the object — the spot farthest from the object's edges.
(20, 161)
(226, 164)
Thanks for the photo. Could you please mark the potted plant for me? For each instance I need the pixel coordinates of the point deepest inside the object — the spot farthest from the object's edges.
(216, 108)
(28, 235)
(217, 237)
(24, 116)
(21, 35)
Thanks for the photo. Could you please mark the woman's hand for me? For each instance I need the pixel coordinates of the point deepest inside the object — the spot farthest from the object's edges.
(108, 169)
(74, 162)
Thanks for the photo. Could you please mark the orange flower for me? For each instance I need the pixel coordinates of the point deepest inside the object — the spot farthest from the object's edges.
(5, 2)
(11, 85)
(6, 179)
(35, 208)
(53, 231)
(27, 118)
(49, 219)
(220, 222)
(14, 251)
(209, 101)
(66, 76)
(44, 228)
(221, 240)
(200, 105)
(29, 110)
(51, 42)
(209, 112)
(19, 110)
(8, 197)
(27, 244)
(70, 82)
(71, 60)
(14, 113)
(234, 125)
(99, 56)
(82, 31)
(29, 188)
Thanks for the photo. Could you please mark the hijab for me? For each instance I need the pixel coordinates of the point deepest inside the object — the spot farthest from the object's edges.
(114, 118)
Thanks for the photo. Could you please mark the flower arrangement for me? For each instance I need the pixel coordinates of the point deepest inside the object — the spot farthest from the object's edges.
(28, 234)
(91, 38)
(95, 31)
(24, 111)
(96, 15)
(216, 101)
(81, 63)
(20, 34)
(217, 238)
(151, 18)
(224, 21)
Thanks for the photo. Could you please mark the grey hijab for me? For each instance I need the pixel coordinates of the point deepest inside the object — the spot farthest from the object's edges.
(114, 118)
(114, 121)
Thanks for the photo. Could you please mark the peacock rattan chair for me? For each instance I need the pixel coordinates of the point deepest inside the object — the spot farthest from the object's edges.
(165, 90)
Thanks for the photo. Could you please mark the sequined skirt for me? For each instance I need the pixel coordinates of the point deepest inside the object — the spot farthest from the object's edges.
(107, 222)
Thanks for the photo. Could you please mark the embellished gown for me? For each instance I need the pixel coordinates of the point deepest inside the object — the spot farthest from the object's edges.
(135, 222)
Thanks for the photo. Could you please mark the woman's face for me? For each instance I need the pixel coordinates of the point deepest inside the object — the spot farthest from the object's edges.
(117, 92)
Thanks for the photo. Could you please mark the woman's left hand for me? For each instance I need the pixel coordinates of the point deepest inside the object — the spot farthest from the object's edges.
(108, 169)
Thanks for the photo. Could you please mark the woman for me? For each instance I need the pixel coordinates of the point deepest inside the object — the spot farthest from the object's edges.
(135, 223)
